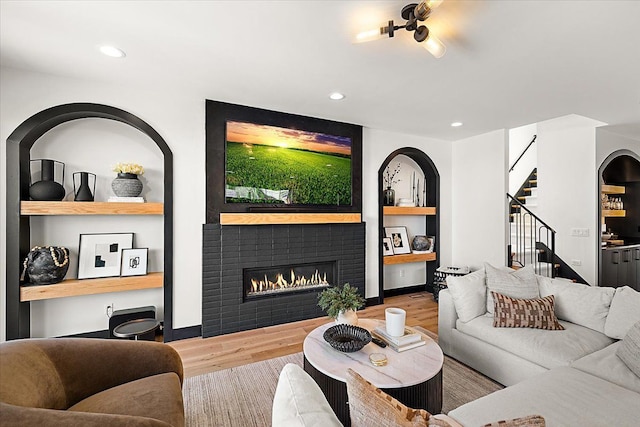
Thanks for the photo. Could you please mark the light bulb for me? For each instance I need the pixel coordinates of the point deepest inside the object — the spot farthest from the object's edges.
(112, 51)
(424, 8)
(434, 46)
(371, 35)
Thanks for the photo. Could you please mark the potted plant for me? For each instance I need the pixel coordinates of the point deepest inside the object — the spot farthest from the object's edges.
(127, 184)
(341, 303)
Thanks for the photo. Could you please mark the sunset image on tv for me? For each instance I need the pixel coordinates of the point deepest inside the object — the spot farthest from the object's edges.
(269, 164)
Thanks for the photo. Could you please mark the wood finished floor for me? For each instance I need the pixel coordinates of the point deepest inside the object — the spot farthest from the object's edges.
(200, 356)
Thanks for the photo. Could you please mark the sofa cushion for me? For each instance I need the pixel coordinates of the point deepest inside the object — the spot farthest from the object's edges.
(469, 294)
(298, 401)
(623, 313)
(549, 349)
(576, 303)
(607, 365)
(629, 349)
(515, 284)
(563, 396)
(371, 407)
(158, 397)
(524, 313)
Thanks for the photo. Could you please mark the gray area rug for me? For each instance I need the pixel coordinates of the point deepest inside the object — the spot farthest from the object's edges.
(243, 396)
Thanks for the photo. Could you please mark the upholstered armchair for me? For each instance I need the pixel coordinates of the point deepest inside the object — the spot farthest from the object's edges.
(90, 382)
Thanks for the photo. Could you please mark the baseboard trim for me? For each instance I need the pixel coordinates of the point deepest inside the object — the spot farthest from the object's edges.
(406, 290)
(93, 334)
(186, 333)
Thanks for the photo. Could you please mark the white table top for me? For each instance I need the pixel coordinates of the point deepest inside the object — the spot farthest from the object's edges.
(403, 369)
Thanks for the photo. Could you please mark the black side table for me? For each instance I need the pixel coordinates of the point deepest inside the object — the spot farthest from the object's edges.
(135, 328)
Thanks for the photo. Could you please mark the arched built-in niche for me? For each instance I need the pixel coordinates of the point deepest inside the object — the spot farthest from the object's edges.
(19, 145)
(619, 176)
(430, 211)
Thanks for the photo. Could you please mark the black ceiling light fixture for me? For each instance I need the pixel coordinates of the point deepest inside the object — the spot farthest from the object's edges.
(415, 14)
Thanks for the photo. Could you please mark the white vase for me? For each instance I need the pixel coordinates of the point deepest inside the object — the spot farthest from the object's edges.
(348, 317)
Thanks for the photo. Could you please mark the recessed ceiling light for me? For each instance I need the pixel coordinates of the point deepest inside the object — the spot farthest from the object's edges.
(336, 96)
(456, 124)
(112, 51)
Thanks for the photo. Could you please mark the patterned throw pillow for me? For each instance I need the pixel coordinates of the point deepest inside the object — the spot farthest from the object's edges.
(371, 407)
(630, 349)
(524, 313)
(529, 421)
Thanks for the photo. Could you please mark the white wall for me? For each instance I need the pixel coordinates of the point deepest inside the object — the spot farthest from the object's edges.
(567, 188)
(479, 204)
(519, 138)
(377, 146)
(178, 116)
(613, 138)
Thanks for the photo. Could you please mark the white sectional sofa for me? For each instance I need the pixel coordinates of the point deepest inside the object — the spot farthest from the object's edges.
(571, 377)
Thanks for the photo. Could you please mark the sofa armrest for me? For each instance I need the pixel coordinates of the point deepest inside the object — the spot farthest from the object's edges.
(447, 318)
(19, 416)
(87, 366)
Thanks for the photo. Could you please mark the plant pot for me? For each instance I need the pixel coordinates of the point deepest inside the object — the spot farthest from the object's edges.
(126, 185)
(348, 317)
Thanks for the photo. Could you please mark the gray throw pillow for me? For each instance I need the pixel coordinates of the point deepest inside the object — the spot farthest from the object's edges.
(629, 349)
(521, 284)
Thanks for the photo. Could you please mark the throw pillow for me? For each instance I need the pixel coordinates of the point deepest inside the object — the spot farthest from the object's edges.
(520, 283)
(371, 407)
(629, 350)
(529, 421)
(524, 313)
(623, 313)
(469, 295)
(298, 401)
(583, 305)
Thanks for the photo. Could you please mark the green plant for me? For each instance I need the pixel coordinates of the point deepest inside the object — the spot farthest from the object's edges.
(335, 299)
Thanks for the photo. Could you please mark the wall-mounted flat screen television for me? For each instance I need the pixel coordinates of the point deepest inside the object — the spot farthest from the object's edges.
(262, 160)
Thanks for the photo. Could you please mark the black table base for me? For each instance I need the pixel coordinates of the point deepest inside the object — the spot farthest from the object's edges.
(426, 395)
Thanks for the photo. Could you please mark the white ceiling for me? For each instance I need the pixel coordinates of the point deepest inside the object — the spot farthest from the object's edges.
(508, 63)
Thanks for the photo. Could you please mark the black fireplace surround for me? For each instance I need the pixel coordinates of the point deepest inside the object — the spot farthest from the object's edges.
(228, 250)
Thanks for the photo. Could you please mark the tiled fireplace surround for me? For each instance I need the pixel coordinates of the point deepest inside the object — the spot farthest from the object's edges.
(228, 249)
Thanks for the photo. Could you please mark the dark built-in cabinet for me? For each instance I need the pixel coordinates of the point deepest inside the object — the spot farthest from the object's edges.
(621, 267)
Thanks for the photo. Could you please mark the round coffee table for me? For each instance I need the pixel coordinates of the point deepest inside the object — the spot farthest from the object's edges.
(414, 377)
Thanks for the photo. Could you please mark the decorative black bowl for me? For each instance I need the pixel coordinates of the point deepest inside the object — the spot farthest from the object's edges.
(347, 338)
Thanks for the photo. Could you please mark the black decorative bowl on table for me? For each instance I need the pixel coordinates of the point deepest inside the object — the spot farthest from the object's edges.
(347, 338)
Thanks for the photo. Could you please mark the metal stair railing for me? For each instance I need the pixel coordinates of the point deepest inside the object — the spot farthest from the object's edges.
(527, 231)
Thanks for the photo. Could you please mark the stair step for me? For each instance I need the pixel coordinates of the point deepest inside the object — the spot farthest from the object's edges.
(533, 181)
(522, 198)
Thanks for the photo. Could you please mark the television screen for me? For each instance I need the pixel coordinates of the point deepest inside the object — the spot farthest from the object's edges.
(275, 165)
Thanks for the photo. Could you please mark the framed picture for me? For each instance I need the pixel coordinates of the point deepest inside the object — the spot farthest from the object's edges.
(399, 239)
(387, 246)
(134, 262)
(100, 255)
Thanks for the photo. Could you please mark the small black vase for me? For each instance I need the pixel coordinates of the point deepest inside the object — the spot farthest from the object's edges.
(389, 197)
(41, 269)
(47, 189)
(83, 192)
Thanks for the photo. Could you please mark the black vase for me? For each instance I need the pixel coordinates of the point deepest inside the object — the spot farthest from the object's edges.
(83, 192)
(41, 268)
(47, 189)
(389, 197)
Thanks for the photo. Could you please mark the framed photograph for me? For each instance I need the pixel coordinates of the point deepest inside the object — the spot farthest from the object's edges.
(399, 239)
(387, 246)
(134, 262)
(100, 255)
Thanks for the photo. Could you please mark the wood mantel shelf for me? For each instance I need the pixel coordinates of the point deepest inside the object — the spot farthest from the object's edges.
(288, 218)
(404, 259)
(28, 207)
(401, 210)
(75, 287)
(613, 213)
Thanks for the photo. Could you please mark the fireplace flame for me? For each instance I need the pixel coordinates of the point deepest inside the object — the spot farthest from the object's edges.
(280, 283)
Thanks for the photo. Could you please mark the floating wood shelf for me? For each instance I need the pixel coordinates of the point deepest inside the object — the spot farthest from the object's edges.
(288, 218)
(404, 259)
(610, 213)
(613, 189)
(400, 210)
(90, 208)
(75, 287)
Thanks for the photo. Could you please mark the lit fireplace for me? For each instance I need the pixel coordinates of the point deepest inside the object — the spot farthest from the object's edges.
(272, 281)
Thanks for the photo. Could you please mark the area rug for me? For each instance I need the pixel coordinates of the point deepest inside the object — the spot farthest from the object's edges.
(243, 396)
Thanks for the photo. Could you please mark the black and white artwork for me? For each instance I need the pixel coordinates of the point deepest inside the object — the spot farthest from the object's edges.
(399, 239)
(100, 254)
(134, 262)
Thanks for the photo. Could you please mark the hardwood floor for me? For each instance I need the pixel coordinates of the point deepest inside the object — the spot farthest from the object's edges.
(200, 355)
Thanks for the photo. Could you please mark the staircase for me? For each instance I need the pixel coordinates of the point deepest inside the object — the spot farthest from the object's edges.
(527, 194)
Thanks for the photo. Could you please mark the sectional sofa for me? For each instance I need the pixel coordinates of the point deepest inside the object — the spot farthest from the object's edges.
(572, 377)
